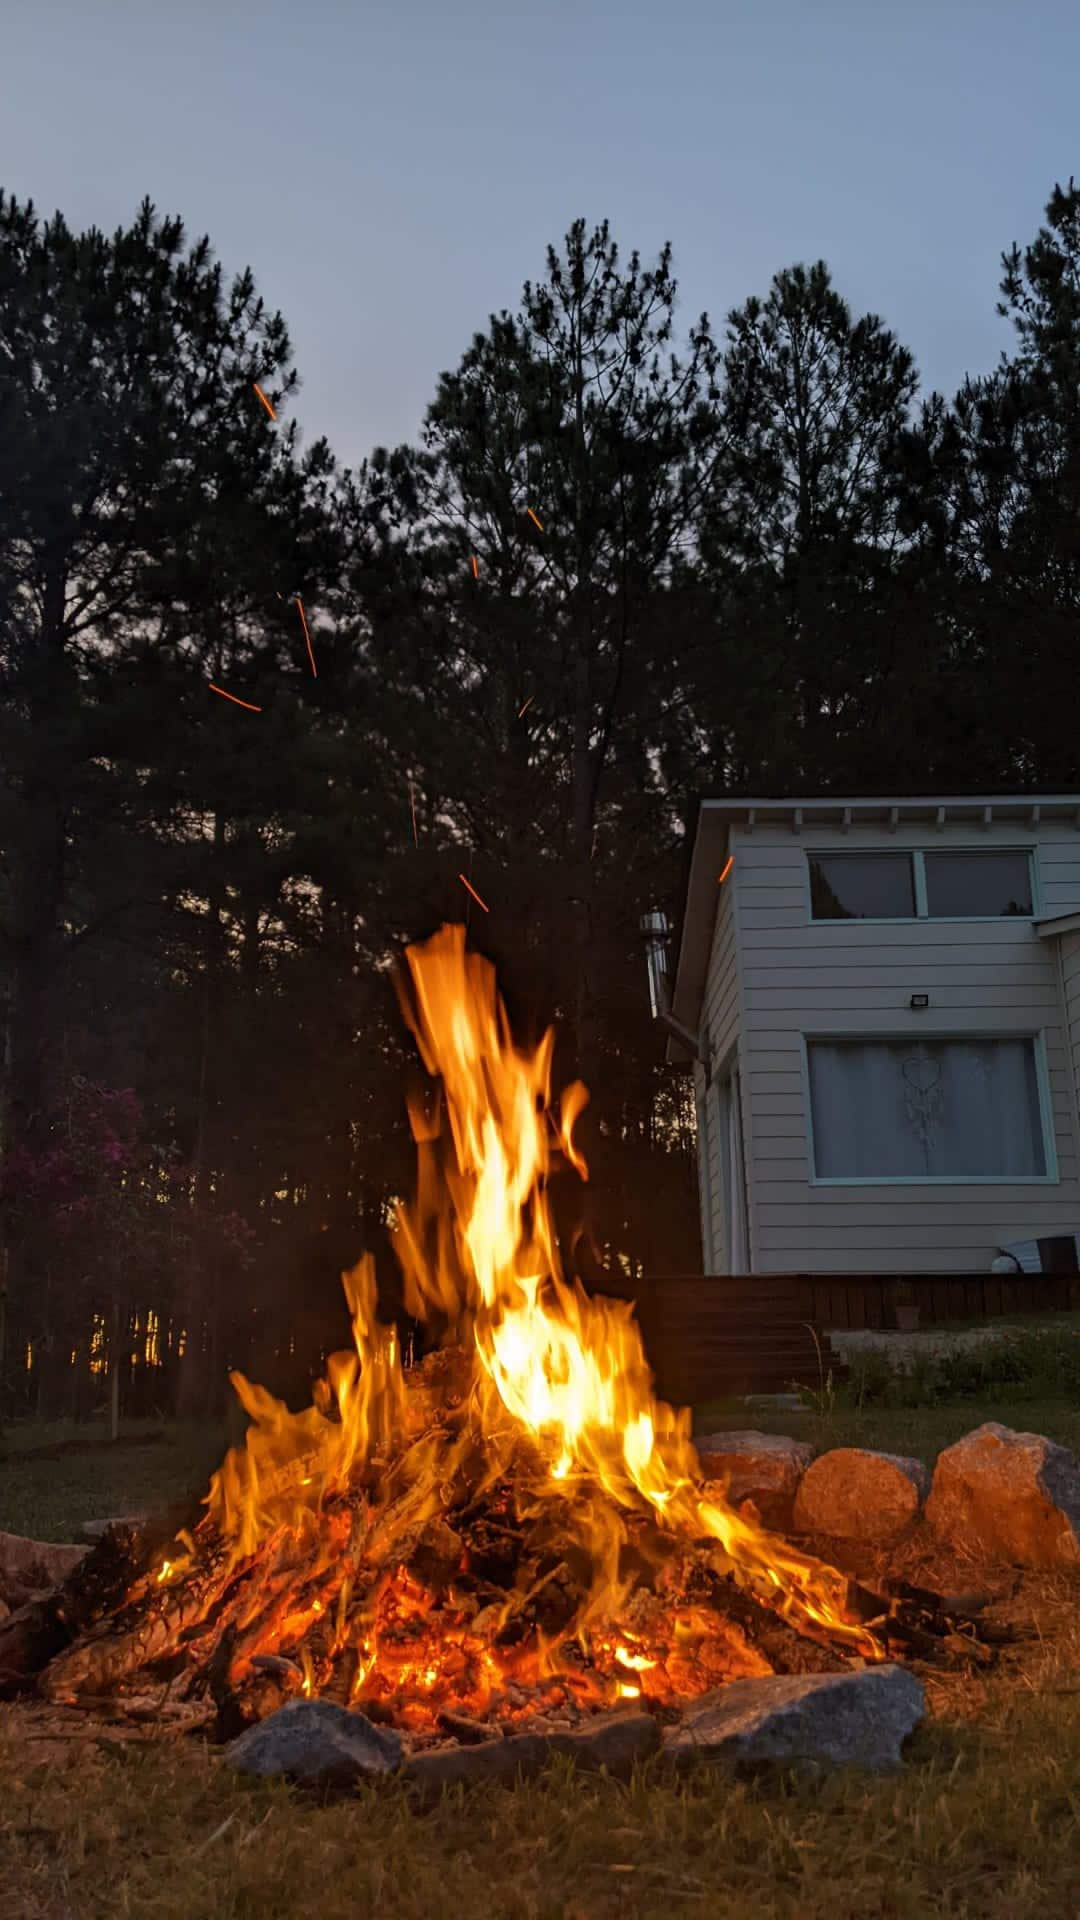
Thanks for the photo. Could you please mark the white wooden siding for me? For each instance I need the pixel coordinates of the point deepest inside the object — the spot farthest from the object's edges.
(720, 1031)
(708, 1169)
(1069, 960)
(795, 977)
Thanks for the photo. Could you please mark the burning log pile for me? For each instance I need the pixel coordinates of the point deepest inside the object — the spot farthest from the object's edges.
(513, 1532)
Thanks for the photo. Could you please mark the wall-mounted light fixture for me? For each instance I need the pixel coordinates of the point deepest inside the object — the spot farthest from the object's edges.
(657, 934)
(920, 1000)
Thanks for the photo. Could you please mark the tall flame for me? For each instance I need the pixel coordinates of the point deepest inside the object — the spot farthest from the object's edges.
(548, 1365)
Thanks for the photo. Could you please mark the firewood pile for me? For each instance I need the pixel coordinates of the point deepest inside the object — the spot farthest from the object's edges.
(485, 1613)
(516, 1533)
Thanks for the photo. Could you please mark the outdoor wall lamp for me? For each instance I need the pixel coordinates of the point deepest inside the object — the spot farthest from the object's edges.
(657, 935)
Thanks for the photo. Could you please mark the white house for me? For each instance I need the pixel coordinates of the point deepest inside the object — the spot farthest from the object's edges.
(885, 999)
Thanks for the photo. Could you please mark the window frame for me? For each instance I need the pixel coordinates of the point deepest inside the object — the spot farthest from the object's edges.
(1037, 1037)
(920, 916)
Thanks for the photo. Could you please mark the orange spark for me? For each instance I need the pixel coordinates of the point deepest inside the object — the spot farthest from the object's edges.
(233, 697)
(307, 637)
(469, 888)
(533, 518)
(266, 403)
(528, 704)
(728, 864)
(475, 568)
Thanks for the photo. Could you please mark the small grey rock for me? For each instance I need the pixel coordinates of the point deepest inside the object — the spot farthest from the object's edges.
(858, 1719)
(614, 1741)
(94, 1530)
(317, 1744)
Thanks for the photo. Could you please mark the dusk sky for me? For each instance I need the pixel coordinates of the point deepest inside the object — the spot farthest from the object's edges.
(392, 170)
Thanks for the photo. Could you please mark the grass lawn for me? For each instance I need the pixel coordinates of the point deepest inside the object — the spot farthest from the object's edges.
(980, 1825)
(920, 1432)
(54, 1477)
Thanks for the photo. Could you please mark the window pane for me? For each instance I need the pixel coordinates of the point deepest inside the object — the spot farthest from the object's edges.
(938, 1109)
(977, 884)
(861, 886)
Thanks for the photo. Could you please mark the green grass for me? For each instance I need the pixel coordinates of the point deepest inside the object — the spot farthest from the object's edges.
(980, 1825)
(920, 1432)
(1047, 1322)
(46, 1493)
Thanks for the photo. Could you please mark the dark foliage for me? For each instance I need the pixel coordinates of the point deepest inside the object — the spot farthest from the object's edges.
(614, 574)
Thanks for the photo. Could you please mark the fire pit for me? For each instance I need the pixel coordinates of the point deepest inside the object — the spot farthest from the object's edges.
(514, 1534)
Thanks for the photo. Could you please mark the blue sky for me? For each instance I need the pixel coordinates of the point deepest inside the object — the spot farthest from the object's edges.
(393, 169)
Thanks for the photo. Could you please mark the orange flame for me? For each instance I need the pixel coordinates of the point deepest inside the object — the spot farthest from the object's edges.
(549, 1369)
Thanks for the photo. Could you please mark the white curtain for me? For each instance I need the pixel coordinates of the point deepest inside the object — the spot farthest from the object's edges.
(737, 1241)
(944, 1109)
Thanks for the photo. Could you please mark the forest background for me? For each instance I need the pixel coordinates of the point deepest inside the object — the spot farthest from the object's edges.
(625, 565)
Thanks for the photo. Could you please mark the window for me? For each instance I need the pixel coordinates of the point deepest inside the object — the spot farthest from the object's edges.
(958, 884)
(979, 885)
(861, 886)
(926, 1110)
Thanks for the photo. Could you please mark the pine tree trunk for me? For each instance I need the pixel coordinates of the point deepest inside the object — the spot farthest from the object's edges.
(37, 877)
(193, 1387)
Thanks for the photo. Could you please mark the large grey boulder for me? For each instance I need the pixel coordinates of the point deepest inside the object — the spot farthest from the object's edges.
(317, 1744)
(1007, 1496)
(763, 1467)
(856, 1719)
(854, 1494)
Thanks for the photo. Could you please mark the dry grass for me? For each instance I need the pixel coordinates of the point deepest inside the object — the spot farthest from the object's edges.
(982, 1823)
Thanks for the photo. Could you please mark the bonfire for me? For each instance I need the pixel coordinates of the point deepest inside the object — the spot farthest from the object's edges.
(515, 1528)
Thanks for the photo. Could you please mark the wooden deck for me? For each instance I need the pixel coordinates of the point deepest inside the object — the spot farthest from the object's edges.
(873, 1299)
(717, 1335)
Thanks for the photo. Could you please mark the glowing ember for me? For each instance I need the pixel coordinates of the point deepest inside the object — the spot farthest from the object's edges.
(469, 888)
(237, 702)
(307, 636)
(516, 1526)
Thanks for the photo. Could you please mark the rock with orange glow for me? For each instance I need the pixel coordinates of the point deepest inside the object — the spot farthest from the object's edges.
(36, 1563)
(803, 1720)
(854, 1494)
(1008, 1496)
(316, 1744)
(763, 1467)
